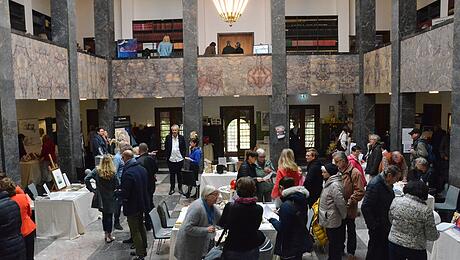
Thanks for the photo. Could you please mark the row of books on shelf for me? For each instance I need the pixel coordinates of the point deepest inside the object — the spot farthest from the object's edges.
(151, 26)
(301, 43)
(154, 45)
(157, 37)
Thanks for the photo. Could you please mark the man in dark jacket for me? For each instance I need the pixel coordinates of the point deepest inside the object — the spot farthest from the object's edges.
(98, 143)
(175, 148)
(314, 179)
(248, 167)
(376, 204)
(374, 155)
(150, 165)
(292, 239)
(134, 193)
(12, 245)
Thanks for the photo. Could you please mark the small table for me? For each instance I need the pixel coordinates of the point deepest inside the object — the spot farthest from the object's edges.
(65, 215)
(30, 173)
(447, 247)
(265, 227)
(217, 180)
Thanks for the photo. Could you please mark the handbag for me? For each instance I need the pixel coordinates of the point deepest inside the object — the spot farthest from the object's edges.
(216, 252)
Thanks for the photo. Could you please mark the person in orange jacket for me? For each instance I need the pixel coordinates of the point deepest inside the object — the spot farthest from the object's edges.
(28, 226)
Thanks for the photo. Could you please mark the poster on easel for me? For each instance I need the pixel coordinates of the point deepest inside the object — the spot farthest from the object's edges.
(58, 179)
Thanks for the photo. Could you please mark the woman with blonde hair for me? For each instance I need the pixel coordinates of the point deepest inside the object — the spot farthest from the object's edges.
(104, 194)
(165, 47)
(286, 168)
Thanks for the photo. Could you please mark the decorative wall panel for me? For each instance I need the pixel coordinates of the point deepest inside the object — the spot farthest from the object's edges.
(426, 61)
(241, 75)
(322, 74)
(145, 78)
(40, 69)
(92, 77)
(377, 71)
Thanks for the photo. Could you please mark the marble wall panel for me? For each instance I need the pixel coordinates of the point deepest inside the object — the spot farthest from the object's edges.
(322, 74)
(92, 77)
(238, 75)
(40, 69)
(145, 78)
(426, 61)
(377, 71)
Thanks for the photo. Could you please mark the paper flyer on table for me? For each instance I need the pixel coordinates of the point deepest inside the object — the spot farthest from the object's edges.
(444, 226)
(268, 176)
(268, 213)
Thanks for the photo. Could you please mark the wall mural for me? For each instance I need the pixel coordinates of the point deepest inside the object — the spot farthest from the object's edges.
(92, 77)
(144, 78)
(241, 75)
(377, 71)
(322, 74)
(40, 69)
(426, 61)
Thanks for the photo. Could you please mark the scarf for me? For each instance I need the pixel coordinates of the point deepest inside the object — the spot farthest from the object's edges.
(246, 200)
(209, 212)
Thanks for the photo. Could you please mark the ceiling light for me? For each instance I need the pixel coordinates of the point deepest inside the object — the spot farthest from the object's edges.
(159, 97)
(230, 10)
(83, 99)
(237, 96)
(42, 99)
(433, 92)
(313, 94)
(389, 93)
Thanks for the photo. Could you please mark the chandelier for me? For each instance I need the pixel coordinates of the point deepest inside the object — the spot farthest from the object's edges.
(230, 10)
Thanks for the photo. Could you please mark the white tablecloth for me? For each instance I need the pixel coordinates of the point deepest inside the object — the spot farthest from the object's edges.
(30, 172)
(447, 247)
(65, 215)
(265, 227)
(217, 180)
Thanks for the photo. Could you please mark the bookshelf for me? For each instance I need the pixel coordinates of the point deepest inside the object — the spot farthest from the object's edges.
(17, 16)
(311, 34)
(152, 31)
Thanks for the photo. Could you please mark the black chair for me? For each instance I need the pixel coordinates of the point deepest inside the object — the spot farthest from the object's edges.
(165, 217)
(159, 232)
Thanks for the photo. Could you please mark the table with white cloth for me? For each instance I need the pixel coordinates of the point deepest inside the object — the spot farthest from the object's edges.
(65, 215)
(216, 180)
(398, 187)
(267, 228)
(30, 172)
(447, 247)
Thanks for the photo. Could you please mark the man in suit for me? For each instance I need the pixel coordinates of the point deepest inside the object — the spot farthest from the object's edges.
(175, 153)
(147, 161)
(99, 143)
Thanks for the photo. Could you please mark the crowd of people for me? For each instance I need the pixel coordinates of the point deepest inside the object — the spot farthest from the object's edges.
(398, 226)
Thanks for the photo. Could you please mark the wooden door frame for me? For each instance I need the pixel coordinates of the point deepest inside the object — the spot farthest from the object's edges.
(317, 109)
(234, 33)
(157, 111)
(251, 128)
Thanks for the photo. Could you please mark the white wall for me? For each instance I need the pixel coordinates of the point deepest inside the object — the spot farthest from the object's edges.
(160, 9)
(383, 15)
(443, 98)
(42, 6)
(85, 20)
(142, 111)
(423, 3)
(311, 7)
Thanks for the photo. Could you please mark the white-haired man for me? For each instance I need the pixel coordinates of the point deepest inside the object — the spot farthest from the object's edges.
(175, 147)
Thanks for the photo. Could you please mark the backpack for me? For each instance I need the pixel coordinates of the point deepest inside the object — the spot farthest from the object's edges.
(318, 232)
(429, 148)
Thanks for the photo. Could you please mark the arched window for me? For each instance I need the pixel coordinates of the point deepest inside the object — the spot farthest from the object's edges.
(238, 135)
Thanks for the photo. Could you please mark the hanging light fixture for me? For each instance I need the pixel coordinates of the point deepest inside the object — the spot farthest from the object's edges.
(230, 10)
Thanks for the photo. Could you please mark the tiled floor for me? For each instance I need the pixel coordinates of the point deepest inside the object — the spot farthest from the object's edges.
(91, 245)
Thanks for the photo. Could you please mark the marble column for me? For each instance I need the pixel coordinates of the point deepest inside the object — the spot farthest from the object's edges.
(402, 106)
(9, 153)
(193, 106)
(68, 111)
(279, 114)
(364, 104)
(454, 166)
(105, 47)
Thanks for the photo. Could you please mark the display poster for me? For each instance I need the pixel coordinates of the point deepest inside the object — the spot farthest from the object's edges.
(29, 128)
(406, 140)
(58, 179)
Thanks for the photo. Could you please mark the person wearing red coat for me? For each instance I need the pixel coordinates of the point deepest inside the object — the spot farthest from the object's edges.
(286, 168)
